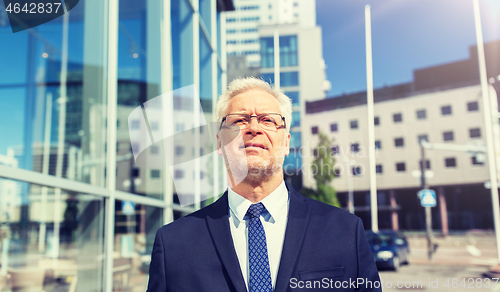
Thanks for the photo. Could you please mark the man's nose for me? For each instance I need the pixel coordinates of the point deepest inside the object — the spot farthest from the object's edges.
(254, 126)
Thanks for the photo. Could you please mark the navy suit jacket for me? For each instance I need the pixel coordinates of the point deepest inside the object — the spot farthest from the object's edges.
(323, 245)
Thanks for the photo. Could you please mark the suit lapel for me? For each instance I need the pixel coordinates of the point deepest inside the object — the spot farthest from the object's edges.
(298, 217)
(218, 225)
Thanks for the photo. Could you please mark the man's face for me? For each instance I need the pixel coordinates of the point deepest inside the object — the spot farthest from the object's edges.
(253, 153)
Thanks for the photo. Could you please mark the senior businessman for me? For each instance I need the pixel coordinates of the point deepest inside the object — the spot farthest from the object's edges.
(261, 235)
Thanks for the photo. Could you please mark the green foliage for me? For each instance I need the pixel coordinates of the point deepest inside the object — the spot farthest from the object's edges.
(323, 170)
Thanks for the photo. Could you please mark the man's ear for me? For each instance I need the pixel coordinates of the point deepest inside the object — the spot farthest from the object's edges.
(219, 148)
(287, 144)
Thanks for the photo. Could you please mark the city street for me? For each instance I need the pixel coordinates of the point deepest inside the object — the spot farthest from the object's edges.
(438, 278)
(458, 265)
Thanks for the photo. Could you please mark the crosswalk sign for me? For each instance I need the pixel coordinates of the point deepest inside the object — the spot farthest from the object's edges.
(427, 198)
(128, 208)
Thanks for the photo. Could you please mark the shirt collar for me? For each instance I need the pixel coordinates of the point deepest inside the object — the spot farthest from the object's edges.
(275, 203)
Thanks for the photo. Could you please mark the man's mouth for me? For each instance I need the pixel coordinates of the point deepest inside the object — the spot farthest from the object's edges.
(255, 145)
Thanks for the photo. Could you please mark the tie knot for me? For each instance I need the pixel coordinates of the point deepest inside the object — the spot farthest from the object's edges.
(255, 210)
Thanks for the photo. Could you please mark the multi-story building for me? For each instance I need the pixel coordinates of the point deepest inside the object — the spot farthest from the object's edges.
(302, 78)
(440, 106)
(242, 24)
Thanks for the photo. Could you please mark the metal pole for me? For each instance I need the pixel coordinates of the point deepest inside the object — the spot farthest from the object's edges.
(488, 125)
(428, 214)
(350, 203)
(168, 109)
(45, 170)
(277, 81)
(371, 120)
(111, 105)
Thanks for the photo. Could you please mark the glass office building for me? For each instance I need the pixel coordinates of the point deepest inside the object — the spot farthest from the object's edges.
(85, 181)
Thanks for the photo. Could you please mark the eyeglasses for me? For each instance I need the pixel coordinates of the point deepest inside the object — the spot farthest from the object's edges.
(270, 121)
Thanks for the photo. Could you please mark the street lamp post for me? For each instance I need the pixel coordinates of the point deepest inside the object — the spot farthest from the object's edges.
(428, 214)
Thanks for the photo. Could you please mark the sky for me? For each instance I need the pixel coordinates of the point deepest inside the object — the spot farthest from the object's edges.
(406, 35)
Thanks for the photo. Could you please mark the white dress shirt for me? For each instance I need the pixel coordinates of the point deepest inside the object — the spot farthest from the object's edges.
(274, 222)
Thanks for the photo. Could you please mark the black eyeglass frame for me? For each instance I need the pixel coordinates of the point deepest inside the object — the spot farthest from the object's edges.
(257, 117)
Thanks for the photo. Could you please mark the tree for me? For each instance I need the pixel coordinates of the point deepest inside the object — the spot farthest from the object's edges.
(323, 170)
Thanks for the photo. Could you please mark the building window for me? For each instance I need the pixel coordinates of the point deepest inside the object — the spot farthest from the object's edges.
(155, 149)
(475, 133)
(336, 172)
(179, 127)
(155, 173)
(422, 137)
(335, 149)
(315, 152)
(472, 106)
(397, 118)
(421, 114)
(334, 127)
(295, 139)
(247, 30)
(249, 41)
(476, 161)
(252, 7)
(378, 168)
(134, 125)
(446, 110)
(288, 51)
(154, 126)
(356, 170)
(286, 78)
(427, 164)
(267, 53)
(178, 174)
(354, 124)
(295, 119)
(450, 162)
(289, 78)
(250, 18)
(355, 147)
(294, 96)
(399, 142)
(376, 121)
(179, 150)
(378, 144)
(314, 130)
(135, 172)
(400, 167)
(448, 136)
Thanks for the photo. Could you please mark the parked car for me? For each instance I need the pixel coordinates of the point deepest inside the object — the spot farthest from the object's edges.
(390, 249)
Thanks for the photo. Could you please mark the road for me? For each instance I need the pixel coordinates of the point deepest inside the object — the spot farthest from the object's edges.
(458, 265)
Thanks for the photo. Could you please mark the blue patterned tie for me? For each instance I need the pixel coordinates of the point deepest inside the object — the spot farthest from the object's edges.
(260, 273)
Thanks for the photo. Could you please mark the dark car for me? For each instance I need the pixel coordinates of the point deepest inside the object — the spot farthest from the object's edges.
(390, 249)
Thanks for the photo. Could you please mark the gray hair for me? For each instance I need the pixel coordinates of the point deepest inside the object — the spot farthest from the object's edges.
(245, 84)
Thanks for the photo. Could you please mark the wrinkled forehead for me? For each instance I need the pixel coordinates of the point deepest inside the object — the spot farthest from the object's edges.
(253, 102)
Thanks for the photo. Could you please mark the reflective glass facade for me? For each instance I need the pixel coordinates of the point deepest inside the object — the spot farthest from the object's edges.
(93, 108)
(288, 51)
